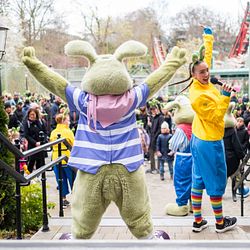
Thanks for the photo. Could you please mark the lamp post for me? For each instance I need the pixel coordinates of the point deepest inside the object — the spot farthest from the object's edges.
(3, 37)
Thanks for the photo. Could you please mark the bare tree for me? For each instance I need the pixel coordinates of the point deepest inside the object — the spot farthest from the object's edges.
(34, 16)
(97, 28)
(4, 7)
(160, 8)
(187, 24)
(145, 26)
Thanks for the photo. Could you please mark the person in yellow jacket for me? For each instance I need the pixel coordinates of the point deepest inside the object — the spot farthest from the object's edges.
(209, 169)
(68, 174)
(207, 148)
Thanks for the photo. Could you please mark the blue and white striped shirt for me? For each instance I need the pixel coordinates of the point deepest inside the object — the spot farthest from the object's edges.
(179, 141)
(117, 143)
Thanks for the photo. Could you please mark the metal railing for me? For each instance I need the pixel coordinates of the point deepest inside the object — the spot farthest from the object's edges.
(22, 180)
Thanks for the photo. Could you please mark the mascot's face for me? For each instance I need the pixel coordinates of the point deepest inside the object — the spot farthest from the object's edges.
(183, 112)
(106, 75)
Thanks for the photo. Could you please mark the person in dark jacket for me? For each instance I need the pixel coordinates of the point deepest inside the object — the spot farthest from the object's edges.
(234, 150)
(246, 115)
(162, 150)
(243, 137)
(54, 111)
(17, 118)
(242, 134)
(154, 124)
(46, 112)
(33, 126)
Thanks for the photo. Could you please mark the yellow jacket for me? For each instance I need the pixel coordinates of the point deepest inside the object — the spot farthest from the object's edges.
(65, 132)
(210, 107)
(207, 102)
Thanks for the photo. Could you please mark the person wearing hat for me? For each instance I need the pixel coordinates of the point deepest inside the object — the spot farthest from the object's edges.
(162, 150)
(16, 98)
(154, 124)
(7, 108)
(17, 118)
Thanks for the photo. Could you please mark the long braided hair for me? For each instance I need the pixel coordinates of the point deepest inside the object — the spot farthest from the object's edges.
(197, 59)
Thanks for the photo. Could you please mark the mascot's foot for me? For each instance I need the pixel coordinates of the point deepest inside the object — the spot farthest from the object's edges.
(175, 210)
(66, 236)
(161, 235)
(190, 208)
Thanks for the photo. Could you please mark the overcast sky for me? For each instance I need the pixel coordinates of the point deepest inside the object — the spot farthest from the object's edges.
(234, 8)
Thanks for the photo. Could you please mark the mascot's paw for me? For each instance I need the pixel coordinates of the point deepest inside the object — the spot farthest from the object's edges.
(29, 58)
(165, 72)
(176, 57)
(29, 51)
(161, 235)
(175, 210)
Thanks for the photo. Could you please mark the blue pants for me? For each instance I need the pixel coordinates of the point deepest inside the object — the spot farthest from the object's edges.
(209, 166)
(161, 165)
(68, 177)
(183, 177)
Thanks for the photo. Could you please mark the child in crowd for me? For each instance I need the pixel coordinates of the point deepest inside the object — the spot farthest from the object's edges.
(162, 150)
(68, 174)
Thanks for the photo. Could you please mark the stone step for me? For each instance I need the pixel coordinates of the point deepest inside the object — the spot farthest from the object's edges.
(123, 245)
(157, 221)
(178, 228)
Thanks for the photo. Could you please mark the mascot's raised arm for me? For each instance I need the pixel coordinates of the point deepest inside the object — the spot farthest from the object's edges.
(107, 150)
(106, 74)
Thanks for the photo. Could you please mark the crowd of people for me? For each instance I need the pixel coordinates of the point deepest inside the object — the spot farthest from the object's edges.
(211, 144)
(151, 117)
(31, 115)
(34, 120)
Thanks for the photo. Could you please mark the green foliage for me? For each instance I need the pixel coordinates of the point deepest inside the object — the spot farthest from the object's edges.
(139, 123)
(7, 183)
(32, 207)
(7, 202)
(154, 103)
(32, 210)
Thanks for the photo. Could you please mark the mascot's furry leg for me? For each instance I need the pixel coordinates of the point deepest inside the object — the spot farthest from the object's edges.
(182, 184)
(93, 194)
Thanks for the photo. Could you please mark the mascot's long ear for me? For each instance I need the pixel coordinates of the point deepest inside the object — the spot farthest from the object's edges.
(230, 107)
(229, 118)
(130, 49)
(78, 48)
(172, 105)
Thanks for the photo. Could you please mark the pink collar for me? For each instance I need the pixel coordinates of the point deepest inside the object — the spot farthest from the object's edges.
(187, 129)
(108, 109)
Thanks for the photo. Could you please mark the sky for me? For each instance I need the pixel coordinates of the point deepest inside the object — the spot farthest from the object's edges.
(233, 8)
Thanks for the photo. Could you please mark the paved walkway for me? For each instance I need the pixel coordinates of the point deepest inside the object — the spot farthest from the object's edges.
(161, 192)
